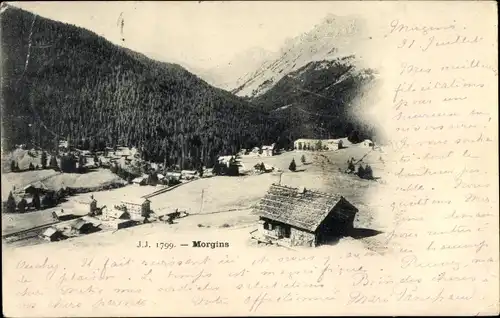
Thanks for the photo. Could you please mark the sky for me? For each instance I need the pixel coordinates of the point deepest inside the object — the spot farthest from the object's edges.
(201, 35)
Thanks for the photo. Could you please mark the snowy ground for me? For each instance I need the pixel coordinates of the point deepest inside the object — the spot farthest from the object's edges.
(223, 204)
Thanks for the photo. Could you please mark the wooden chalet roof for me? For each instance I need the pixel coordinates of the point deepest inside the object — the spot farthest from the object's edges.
(303, 209)
(49, 232)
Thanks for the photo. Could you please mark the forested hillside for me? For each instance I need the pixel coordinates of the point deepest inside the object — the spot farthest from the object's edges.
(64, 82)
(319, 100)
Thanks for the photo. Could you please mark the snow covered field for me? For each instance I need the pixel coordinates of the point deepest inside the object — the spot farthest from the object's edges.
(223, 204)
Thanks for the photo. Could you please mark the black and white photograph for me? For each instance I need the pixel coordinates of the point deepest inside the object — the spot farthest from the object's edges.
(229, 158)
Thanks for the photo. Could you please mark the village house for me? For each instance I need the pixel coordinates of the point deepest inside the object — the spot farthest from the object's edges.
(368, 143)
(173, 175)
(269, 150)
(116, 214)
(301, 217)
(255, 150)
(188, 174)
(82, 227)
(142, 180)
(51, 234)
(225, 160)
(138, 208)
(36, 187)
(118, 224)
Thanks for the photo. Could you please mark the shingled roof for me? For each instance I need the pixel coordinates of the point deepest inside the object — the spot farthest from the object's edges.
(302, 208)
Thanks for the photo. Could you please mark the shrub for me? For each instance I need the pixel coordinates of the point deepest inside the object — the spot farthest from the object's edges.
(292, 166)
(303, 159)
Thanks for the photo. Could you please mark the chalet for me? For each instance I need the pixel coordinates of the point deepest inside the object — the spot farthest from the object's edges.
(95, 222)
(367, 143)
(36, 187)
(116, 214)
(142, 180)
(188, 174)
(51, 234)
(170, 175)
(225, 160)
(63, 145)
(121, 224)
(138, 208)
(82, 226)
(269, 150)
(301, 217)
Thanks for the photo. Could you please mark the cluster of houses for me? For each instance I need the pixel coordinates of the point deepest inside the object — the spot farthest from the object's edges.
(129, 213)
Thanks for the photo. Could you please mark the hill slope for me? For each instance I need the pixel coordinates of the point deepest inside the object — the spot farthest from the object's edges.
(61, 81)
(320, 99)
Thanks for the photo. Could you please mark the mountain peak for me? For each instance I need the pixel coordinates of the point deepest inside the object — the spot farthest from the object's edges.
(334, 36)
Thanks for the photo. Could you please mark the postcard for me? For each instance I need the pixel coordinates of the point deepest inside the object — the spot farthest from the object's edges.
(249, 158)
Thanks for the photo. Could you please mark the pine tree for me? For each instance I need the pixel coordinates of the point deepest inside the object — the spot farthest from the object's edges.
(340, 144)
(303, 159)
(368, 173)
(53, 163)
(361, 171)
(17, 167)
(292, 166)
(68, 164)
(81, 164)
(21, 206)
(44, 160)
(31, 166)
(10, 206)
(153, 178)
(13, 166)
(217, 169)
(319, 145)
(36, 201)
(350, 166)
(48, 199)
(233, 169)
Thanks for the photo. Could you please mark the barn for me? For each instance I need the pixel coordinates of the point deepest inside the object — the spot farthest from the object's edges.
(301, 217)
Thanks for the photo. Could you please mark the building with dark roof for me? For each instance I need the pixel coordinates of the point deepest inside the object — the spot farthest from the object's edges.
(301, 217)
(51, 234)
(82, 226)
